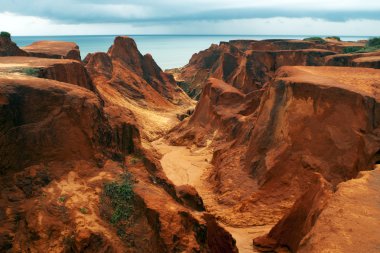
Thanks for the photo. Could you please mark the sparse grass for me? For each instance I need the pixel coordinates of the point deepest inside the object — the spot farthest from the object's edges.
(373, 42)
(62, 199)
(121, 197)
(5, 35)
(334, 38)
(371, 46)
(83, 210)
(315, 39)
(135, 159)
(31, 72)
(348, 50)
(369, 49)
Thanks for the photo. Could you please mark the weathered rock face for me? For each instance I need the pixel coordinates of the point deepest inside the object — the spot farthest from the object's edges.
(263, 149)
(222, 110)
(68, 71)
(342, 101)
(247, 68)
(368, 60)
(44, 120)
(60, 143)
(127, 79)
(9, 48)
(281, 44)
(292, 228)
(333, 102)
(54, 49)
(350, 221)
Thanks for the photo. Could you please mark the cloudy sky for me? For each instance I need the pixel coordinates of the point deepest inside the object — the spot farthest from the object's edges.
(256, 17)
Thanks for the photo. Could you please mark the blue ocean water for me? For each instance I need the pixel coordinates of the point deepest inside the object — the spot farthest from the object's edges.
(169, 51)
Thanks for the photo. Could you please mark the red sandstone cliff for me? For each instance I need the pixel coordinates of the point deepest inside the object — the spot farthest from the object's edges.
(53, 49)
(9, 48)
(125, 78)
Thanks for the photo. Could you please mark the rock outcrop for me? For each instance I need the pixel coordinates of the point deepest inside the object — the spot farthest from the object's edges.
(53, 49)
(367, 60)
(44, 120)
(349, 222)
(126, 79)
(61, 143)
(9, 48)
(247, 68)
(287, 136)
(68, 71)
(342, 101)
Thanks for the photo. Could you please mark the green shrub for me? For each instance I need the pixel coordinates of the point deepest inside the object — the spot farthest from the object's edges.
(348, 50)
(121, 196)
(372, 45)
(334, 38)
(5, 35)
(369, 49)
(83, 210)
(373, 42)
(31, 72)
(315, 39)
(62, 199)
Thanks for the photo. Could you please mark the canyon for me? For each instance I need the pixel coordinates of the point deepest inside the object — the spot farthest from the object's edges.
(253, 146)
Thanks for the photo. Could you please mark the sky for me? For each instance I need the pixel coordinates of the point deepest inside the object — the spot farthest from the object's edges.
(250, 17)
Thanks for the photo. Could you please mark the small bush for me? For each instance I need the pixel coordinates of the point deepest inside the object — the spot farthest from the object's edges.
(369, 49)
(31, 72)
(373, 42)
(348, 50)
(5, 35)
(121, 196)
(334, 38)
(135, 159)
(62, 199)
(83, 210)
(315, 39)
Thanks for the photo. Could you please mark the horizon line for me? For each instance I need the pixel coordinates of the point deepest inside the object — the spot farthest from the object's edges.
(293, 35)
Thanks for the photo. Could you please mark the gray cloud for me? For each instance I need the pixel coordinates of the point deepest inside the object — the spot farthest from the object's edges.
(142, 12)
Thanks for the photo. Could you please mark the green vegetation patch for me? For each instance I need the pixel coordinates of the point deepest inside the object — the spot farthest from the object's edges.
(372, 45)
(348, 50)
(83, 210)
(373, 42)
(315, 39)
(31, 72)
(121, 196)
(5, 35)
(62, 199)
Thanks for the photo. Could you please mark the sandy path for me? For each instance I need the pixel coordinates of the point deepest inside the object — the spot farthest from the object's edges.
(184, 166)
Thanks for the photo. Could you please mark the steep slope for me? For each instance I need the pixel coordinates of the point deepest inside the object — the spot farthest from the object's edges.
(63, 148)
(9, 48)
(126, 79)
(249, 65)
(344, 102)
(310, 129)
(350, 221)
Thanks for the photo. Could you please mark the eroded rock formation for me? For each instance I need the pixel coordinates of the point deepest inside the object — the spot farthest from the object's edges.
(125, 78)
(60, 143)
(9, 48)
(288, 138)
(53, 49)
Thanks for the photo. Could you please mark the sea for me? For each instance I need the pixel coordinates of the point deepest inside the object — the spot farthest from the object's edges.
(169, 51)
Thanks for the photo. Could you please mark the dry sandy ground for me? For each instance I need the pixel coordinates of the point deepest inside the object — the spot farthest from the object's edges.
(183, 165)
